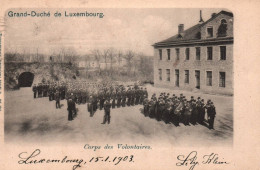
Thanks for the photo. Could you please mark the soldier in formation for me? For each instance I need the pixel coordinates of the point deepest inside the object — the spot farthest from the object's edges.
(174, 109)
(99, 96)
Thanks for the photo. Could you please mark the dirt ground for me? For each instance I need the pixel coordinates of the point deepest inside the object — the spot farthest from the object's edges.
(37, 120)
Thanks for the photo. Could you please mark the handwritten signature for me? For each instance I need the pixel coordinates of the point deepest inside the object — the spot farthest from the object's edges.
(191, 160)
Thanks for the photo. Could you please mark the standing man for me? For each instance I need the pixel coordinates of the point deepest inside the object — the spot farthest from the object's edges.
(211, 111)
(146, 106)
(107, 117)
(71, 108)
(57, 99)
(34, 90)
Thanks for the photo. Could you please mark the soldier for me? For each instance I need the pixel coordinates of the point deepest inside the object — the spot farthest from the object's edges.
(168, 109)
(119, 98)
(146, 106)
(153, 107)
(113, 96)
(34, 89)
(50, 93)
(57, 99)
(71, 108)
(107, 116)
(194, 113)
(142, 97)
(39, 89)
(133, 94)
(129, 96)
(179, 110)
(211, 111)
(90, 106)
(137, 96)
(123, 98)
(201, 110)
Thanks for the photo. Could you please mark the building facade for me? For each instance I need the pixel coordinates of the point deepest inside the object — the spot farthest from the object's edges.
(199, 58)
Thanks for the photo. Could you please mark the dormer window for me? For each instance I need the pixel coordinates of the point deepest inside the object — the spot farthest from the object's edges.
(209, 32)
(222, 29)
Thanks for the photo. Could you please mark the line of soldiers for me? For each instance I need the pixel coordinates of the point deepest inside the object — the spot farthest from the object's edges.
(178, 109)
(109, 95)
(94, 94)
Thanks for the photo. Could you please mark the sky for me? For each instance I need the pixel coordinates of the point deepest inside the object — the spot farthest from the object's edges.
(121, 29)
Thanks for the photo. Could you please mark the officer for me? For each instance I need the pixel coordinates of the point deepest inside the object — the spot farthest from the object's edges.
(57, 99)
(71, 108)
(211, 111)
(34, 89)
(107, 116)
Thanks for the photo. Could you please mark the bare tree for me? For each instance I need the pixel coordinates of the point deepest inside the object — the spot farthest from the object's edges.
(97, 54)
(111, 56)
(69, 55)
(129, 55)
(119, 58)
(105, 56)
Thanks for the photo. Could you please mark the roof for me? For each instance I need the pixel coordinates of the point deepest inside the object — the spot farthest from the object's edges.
(191, 34)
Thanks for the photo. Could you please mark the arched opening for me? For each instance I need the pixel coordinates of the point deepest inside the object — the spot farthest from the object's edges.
(25, 79)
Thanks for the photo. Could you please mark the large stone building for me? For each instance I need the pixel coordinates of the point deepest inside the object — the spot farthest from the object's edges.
(199, 58)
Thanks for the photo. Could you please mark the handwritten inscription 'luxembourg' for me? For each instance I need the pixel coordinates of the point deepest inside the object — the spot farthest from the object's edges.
(33, 159)
(191, 160)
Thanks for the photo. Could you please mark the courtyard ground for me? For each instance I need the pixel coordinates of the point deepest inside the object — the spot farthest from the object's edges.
(38, 121)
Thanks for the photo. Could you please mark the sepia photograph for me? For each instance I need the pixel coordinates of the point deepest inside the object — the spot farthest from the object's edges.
(129, 75)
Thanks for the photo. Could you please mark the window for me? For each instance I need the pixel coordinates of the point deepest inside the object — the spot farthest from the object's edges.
(169, 54)
(209, 78)
(210, 32)
(177, 77)
(160, 74)
(177, 53)
(209, 53)
(187, 53)
(222, 79)
(197, 53)
(222, 29)
(222, 52)
(186, 80)
(168, 74)
(160, 54)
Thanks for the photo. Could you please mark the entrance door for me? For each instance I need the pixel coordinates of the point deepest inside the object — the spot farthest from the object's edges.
(197, 75)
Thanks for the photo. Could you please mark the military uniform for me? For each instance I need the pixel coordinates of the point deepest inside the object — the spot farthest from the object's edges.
(71, 108)
(107, 116)
(57, 99)
(211, 111)
(34, 89)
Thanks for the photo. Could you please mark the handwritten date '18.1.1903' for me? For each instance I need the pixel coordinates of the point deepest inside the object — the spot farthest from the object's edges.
(30, 159)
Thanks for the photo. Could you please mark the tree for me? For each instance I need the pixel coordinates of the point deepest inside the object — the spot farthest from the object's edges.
(129, 55)
(105, 56)
(111, 56)
(119, 57)
(97, 54)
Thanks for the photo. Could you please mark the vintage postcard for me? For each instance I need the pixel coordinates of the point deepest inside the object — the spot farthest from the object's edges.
(119, 87)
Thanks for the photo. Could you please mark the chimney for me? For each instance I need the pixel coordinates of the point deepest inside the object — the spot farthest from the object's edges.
(180, 28)
(213, 14)
(201, 20)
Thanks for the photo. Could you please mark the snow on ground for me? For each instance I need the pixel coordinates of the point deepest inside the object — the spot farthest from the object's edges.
(38, 121)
